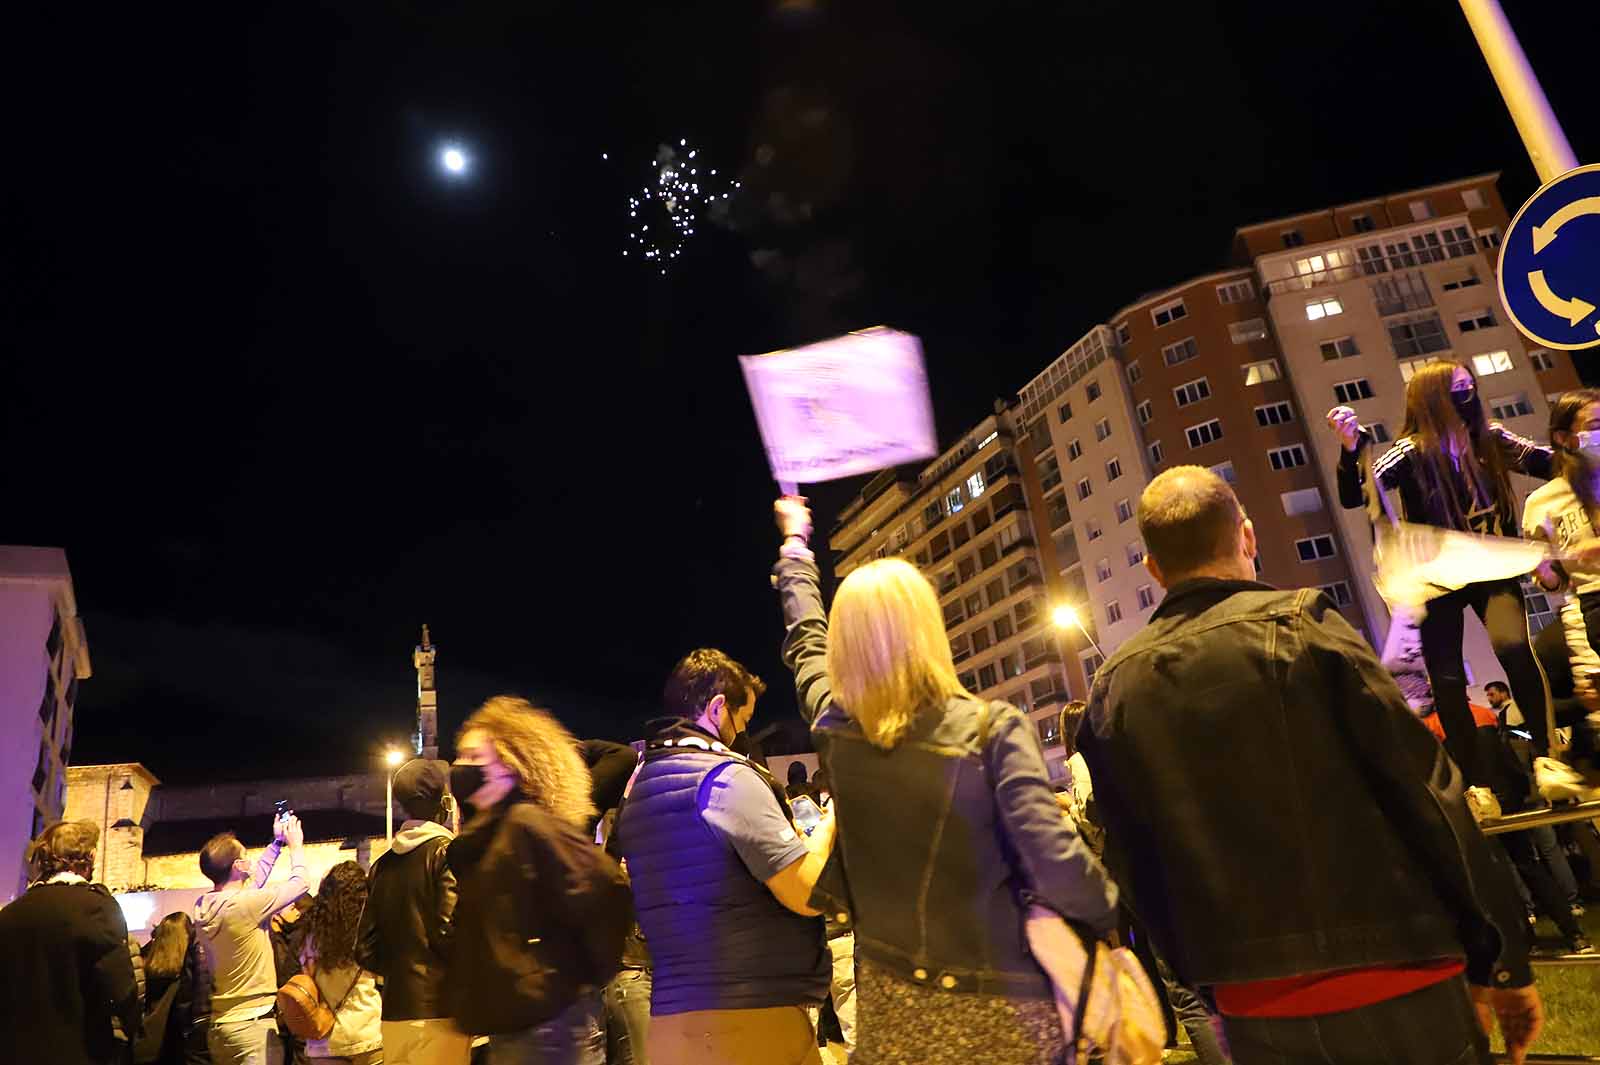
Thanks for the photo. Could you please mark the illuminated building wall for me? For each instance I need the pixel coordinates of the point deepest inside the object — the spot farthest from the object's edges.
(43, 656)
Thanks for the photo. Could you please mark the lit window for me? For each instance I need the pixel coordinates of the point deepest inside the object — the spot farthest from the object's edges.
(1472, 199)
(975, 485)
(1225, 471)
(1312, 264)
(1064, 412)
(1181, 351)
(1313, 548)
(1324, 308)
(1421, 210)
(1156, 452)
(1170, 312)
(1409, 368)
(1339, 592)
(1480, 318)
(1508, 407)
(1257, 372)
(1092, 390)
(1074, 450)
(1113, 612)
(1491, 362)
(1085, 489)
(952, 502)
(1124, 511)
(1135, 553)
(1350, 391)
(1102, 428)
(1248, 330)
(1287, 458)
(1542, 360)
(1192, 392)
(1301, 501)
(1236, 291)
(1102, 570)
(1144, 412)
(1274, 414)
(1113, 469)
(1339, 348)
(1204, 433)
(1135, 375)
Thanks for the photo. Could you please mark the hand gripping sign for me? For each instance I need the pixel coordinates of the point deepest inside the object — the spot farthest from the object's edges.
(850, 405)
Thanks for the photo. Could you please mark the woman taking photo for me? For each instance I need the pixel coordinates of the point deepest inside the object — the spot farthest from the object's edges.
(1451, 469)
(328, 957)
(948, 828)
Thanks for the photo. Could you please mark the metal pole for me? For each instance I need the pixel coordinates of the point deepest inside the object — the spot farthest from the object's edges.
(1530, 110)
(1556, 815)
(388, 810)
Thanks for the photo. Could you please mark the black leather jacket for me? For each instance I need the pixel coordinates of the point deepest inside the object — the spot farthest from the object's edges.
(405, 929)
(1272, 806)
(942, 838)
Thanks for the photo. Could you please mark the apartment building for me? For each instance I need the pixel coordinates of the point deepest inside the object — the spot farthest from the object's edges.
(43, 656)
(1360, 296)
(968, 521)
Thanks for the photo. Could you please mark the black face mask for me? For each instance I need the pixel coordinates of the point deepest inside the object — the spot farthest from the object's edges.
(465, 780)
(1467, 406)
(749, 746)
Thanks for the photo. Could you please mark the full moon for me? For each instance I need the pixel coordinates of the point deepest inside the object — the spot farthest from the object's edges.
(454, 160)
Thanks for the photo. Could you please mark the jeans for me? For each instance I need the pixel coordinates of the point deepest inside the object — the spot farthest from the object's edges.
(842, 988)
(240, 1042)
(1551, 854)
(1196, 1018)
(576, 1037)
(1500, 605)
(627, 1001)
(1434, 1026)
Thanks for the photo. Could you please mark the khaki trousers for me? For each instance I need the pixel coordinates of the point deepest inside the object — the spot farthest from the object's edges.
(779, 1035)
(436, 1041)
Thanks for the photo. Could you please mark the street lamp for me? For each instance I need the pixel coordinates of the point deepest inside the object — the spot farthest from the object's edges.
(392, 758)
(1064, 617)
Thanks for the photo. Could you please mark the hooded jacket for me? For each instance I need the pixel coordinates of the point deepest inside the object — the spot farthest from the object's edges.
(404, 934)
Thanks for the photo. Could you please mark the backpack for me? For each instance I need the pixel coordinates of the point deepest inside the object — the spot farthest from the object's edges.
(304, 1011)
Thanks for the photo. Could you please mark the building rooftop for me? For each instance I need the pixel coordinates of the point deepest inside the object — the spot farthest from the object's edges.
(1491, 177)
(321, 826)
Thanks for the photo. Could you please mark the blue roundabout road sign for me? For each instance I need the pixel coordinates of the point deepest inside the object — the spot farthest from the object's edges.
(1550, 263)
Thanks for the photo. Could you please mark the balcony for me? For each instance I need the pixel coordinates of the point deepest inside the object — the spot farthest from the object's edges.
(1025, 540)
(1051, 657)
(1055, 698)
(1049, 481)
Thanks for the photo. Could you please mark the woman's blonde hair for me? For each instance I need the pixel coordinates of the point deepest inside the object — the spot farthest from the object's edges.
(888, 655)
(541, 752)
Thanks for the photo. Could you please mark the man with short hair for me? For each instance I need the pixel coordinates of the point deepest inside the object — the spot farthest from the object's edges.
(1292, 837)
(232, 922)
(68, 981)
(722, 881)
(404, 934)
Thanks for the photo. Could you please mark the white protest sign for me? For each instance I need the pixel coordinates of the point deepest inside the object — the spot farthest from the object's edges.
(850, 405)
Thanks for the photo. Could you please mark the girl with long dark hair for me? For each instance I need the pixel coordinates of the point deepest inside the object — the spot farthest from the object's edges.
(328, 956)
(1451, 469)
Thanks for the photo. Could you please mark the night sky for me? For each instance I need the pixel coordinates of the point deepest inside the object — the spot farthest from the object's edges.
(284, 391)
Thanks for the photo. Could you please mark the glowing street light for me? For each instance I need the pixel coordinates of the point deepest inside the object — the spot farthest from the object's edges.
(394, 757)
(1065, 617)
(454, 160)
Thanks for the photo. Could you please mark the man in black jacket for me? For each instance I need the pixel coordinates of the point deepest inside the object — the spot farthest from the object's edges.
(64, 960)
(1288, 832)
(404, 933)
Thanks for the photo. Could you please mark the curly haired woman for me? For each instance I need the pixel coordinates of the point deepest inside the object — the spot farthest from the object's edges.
(520, 965)
(328, 956)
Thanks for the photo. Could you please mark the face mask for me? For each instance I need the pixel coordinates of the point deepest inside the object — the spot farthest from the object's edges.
(1467, 406)
(465, 780)
(746, 745)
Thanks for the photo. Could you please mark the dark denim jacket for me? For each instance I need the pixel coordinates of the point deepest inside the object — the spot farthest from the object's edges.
(942, 838)
(1272, 806)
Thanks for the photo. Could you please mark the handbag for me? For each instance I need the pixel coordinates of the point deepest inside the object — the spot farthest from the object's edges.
(304, 1011)
(1105, 1001)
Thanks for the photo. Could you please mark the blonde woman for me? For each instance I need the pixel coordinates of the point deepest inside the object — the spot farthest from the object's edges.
(947, 826)
(521, 969)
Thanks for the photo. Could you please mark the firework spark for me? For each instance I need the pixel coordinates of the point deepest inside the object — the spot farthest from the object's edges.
(662, 215)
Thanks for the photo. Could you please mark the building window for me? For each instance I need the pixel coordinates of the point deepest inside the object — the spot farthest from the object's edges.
(1236, 291)
(1339, 592)
(1462, 277)
(1102, 570)
(1301, 501)
(1350, 391)
(1092, 390)
(1422, 334)
(1542, 359)
(1225, 471)
(1182, 351)
(1113, 612)
(1167, 313)
(1362, 223)
(1124, 511)
(1102, 428)
(1113, 469)
(980, 638)
(1074, 450)
(1135, 375)
(1204, 433)
(1409, 368)
(1489, 239)
(1508, 407)
(1479, 318)
(1540, 612)
(1248, 330)
(1326, 307)
(1064, 412)
(952, 502)
(1147, 597)
(1287, 458)
(1274, 414)
(1257, 372)
(1292, 238)
(1421, 210)
(975, 485)
(1313, 548)
(1472, 199)
(1091, 665)
(1085, 489)
(1491, 362)
(1155, 452)
(1092, 530)
(1192, 392)
(1135, 553)
(1339, 348)
(1380, 432)
(1124, 334)
(1144, 412)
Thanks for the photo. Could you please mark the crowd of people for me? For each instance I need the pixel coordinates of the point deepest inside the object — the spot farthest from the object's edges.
(1282, 837)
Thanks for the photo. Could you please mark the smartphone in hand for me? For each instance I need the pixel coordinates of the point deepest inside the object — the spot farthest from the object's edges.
(807, 814)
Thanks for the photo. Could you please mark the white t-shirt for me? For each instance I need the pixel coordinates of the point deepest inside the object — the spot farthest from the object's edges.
(1555, 504)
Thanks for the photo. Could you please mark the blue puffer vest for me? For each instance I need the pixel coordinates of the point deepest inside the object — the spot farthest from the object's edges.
(718, 937)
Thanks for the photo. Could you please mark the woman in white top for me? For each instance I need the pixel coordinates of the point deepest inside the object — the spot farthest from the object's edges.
(328, 957)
